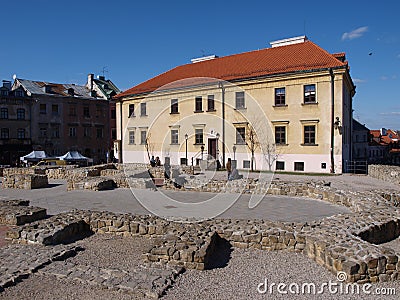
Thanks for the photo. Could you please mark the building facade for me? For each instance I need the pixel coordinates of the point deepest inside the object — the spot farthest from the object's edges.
(65, 117)
(15, 125)
(287, 108)
(360, 141)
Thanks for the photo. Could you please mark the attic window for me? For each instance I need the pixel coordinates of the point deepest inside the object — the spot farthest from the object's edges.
(46, 88)
(71, 92)
(93, 94)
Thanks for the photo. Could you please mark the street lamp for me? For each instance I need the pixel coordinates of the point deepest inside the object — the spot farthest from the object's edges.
(217, 135)
(234, 152)
(186, 156)
(202, 150)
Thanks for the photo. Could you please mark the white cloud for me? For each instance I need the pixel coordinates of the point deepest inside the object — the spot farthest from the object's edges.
(391, 113)
(384, 78)
(358, 80)
(356, 33)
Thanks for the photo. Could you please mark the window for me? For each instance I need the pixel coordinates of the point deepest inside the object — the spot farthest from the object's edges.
(198, 136)
(240, 135)
(87, 131)
(174, 106)
(240, 100)
(131, 110)
(174, 136)
(99, 111)
(143, 109)
(113, 114)
(86, 112)
(210, 103)
(246, 164)
(5, 133)
(280, 97)
(19, 93)
(72, 131)
(298, 166)
(280, 135)
(21, 133)
(280, 165)
(309, 135)
(131, 137)
(199, 104)
(42, 132)
(54, 109)
(21, 114)
(42, 109)
(72, 110)
(143, 137)
(55, 132)
(4, 92)
(4, 113)
(99, 133)
(309, 94)
(113, 133)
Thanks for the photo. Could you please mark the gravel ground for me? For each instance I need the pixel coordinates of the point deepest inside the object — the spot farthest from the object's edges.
(238, 280)
(248, 268)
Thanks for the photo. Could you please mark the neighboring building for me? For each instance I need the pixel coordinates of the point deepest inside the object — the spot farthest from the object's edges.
(106, 89)
(384, 146)
(15, 129)
(67, 117)
(295, 96)
(360, 141)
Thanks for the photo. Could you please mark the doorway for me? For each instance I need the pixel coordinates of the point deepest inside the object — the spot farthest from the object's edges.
(212, 148)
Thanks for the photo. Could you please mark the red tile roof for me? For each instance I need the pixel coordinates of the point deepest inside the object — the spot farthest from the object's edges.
(277, 60)
(391, 136)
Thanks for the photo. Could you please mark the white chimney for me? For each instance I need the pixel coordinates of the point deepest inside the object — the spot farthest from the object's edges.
(383, 132)
(204, 58)
(289, 41)
(90, 81)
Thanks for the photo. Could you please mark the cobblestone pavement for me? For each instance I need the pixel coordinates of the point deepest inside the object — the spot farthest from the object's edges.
(3, 230)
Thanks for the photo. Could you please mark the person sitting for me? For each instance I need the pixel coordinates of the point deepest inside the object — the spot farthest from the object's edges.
(235, 175)
(152, 161)
(158, 162)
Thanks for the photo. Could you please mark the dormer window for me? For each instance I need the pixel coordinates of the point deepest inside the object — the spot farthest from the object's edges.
(46, 88)
(18, 93)
(71, 92)
(93, 94)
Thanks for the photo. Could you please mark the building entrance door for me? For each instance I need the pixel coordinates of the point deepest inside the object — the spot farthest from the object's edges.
(212, 148)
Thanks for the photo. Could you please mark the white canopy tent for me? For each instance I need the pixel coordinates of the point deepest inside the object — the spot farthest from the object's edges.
(73, 155)
(34, 156)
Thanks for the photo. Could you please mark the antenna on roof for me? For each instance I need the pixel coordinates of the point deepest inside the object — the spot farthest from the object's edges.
(104, 70)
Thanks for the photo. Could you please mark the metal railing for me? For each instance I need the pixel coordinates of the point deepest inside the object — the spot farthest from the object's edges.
(356, 167)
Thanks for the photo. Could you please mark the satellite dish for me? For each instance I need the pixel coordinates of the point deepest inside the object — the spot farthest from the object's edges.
(14, 76)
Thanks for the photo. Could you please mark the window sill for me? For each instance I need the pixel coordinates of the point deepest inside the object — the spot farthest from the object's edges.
(281, 145)
(174, 113)
(240, 144)
(198, 144)
(280, 105)
(211, 110)
(310, 103)
(309, 145)
(144, 115)
(131, 144)
(174, 144)
(240, 108)
(198, 111)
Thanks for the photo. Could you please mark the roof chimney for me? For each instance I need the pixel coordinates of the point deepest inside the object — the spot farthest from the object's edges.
(90, 81)
(289, 41)
(7, 84)
(204, 58)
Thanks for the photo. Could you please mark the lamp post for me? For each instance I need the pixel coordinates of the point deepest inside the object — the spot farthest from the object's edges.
(186, 156)
(202, 150)
(234, 152)
(217, 135)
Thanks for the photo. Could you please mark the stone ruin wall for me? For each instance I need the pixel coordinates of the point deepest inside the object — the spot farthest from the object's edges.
(385, 172)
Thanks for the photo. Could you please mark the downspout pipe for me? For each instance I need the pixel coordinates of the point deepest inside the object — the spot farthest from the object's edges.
(121, 130)
(221, 85)
(332, 120)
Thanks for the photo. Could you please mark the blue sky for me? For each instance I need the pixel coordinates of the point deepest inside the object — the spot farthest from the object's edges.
(132, 41)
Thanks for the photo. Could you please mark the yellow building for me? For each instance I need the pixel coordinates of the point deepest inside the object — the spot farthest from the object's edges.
(291, 105)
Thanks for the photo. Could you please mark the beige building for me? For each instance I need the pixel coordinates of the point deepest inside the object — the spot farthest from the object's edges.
(291, 105)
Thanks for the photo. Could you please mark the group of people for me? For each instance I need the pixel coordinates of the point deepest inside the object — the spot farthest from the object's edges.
(233, 173)
(155, 162)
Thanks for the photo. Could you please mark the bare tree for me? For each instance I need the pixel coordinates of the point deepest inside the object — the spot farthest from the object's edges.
(149, 146)
(252, 143)
(269, 152)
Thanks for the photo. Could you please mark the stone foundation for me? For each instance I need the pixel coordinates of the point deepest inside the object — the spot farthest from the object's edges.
(25, 181)
(384, 172)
